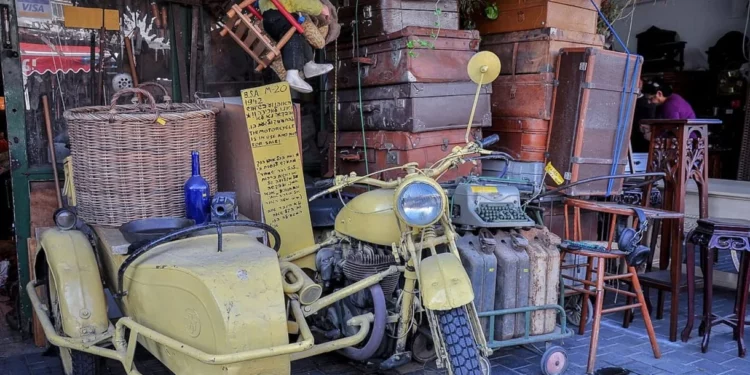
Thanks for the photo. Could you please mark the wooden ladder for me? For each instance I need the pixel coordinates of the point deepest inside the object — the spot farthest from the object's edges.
(250, 35)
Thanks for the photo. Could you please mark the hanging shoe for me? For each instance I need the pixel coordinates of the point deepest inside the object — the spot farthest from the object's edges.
(297, 83)
(313, 70)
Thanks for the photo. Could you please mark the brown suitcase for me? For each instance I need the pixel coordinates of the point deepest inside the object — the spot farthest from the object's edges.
(535, 51)
(583, 128)
(518, 15)
(391, 149)
(526, 95)
(412, 107)
(382, 17)
(525, 139)
(410, 55)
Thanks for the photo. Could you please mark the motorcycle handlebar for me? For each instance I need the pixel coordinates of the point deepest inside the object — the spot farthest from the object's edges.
(487, 141)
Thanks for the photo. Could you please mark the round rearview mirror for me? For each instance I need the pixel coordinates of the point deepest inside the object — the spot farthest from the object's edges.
(484, 67)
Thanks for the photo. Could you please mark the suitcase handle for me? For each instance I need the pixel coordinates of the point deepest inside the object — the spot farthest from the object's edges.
(369, 61)
(367, 108)
(355, 157)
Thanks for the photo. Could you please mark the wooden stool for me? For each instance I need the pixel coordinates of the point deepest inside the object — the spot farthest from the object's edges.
(678, 148)
(718, 234)
(613, 209)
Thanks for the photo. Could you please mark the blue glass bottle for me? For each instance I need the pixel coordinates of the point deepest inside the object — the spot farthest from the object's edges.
(197, 194)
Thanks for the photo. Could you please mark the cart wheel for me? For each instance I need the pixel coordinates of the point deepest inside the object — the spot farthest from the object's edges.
(554, 361)
(574, 309)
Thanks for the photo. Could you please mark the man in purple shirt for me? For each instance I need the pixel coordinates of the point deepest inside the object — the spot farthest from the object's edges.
(670, 106)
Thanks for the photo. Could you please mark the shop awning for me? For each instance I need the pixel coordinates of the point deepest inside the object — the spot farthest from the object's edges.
(43, 58)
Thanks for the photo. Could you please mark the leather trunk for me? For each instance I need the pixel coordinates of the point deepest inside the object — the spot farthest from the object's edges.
(535, 51)
(525, 139)
(410, 55)
(527, 95)
(391, 149)
(518, 15)
(584, 125)
(412, 107)
(383, 17)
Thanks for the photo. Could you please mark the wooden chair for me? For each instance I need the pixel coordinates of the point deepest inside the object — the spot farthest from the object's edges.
(247, 31)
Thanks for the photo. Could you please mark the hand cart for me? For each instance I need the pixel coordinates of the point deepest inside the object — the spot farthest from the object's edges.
(554, 358)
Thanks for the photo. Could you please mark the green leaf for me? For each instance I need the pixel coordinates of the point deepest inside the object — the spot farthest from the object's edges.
(412, 54)
(433, 35)
(438, 11)
(410, 44)
(423, 43)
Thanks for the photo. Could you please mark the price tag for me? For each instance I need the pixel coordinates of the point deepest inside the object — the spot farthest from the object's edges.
(161, 120)
(552, 172)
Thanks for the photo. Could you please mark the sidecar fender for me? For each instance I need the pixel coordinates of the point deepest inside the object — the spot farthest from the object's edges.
(444, 283)
(72, 264)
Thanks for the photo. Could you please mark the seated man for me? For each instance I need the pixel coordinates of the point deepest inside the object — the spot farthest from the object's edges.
(297, 54)
(670, 106)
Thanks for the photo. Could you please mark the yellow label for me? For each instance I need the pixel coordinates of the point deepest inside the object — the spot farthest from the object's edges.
(278, 166)
(484, 189)
(161, 121)
(552, 172)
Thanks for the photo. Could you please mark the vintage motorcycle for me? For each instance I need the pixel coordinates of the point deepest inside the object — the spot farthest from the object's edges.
(213, 299)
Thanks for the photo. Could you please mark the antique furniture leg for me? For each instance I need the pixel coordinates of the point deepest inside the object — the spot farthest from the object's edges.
(690, 247)
(597, 315)
(742, 308)
(644, 311)
(708, 282)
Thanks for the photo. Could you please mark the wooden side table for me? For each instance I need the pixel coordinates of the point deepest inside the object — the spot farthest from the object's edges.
(718, 234)
(678, 148)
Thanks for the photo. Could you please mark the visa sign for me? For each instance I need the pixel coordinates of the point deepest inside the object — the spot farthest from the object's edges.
(34, 9)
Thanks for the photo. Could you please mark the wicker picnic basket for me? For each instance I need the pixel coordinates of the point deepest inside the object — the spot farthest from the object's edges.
(131, 161)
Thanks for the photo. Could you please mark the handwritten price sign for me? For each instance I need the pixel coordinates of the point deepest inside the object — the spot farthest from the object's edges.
(278, 166)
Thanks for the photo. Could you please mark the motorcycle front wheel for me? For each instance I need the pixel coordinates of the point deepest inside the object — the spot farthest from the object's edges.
(460, 346)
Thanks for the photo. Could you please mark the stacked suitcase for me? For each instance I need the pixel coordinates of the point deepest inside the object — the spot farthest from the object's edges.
(404, 83)
(527, 36)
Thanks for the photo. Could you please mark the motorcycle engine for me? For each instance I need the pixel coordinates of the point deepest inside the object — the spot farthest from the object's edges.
(346, 264)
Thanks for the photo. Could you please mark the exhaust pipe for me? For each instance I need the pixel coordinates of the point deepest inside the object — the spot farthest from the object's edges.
(378, 328)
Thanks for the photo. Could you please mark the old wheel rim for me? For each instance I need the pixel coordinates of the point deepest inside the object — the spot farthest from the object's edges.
(65, 356)
(556, 363)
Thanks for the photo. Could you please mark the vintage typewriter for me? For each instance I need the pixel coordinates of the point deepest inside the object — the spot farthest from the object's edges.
(478, 203)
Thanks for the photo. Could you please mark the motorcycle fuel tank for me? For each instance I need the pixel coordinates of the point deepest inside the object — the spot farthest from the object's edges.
(370, 218)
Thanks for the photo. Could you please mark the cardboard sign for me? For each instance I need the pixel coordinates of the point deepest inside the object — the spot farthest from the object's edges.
(278, 166)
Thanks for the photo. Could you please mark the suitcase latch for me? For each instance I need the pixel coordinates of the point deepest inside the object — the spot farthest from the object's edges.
(367, 11)
(583, 66)
(445, 144)
(391, 157)
(513, 90)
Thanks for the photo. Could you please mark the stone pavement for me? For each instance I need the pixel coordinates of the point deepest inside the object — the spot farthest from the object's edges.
(621, 348)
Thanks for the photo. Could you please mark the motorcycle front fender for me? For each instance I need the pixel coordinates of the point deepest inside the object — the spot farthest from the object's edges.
(443, 283)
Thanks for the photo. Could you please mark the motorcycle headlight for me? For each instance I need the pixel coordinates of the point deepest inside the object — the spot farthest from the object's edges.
(419, 204)
(65, 219)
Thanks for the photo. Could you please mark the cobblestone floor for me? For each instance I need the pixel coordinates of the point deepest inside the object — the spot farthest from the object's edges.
(623, 348)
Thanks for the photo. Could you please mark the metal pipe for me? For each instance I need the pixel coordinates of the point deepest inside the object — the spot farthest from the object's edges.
(349, 290)
(378, 328)
(661, 175)
(363, 321)
(65, 342)
(224, 359)
(299, 254)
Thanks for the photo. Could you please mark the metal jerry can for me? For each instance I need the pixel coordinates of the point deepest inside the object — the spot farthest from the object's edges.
(478, 258)
(544, 261)
(512, 288)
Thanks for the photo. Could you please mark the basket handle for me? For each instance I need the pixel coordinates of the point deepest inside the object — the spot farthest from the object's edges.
(133, 90)
(167, 98)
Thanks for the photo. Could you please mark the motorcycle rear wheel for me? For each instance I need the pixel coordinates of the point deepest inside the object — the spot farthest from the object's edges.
(460, 346)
